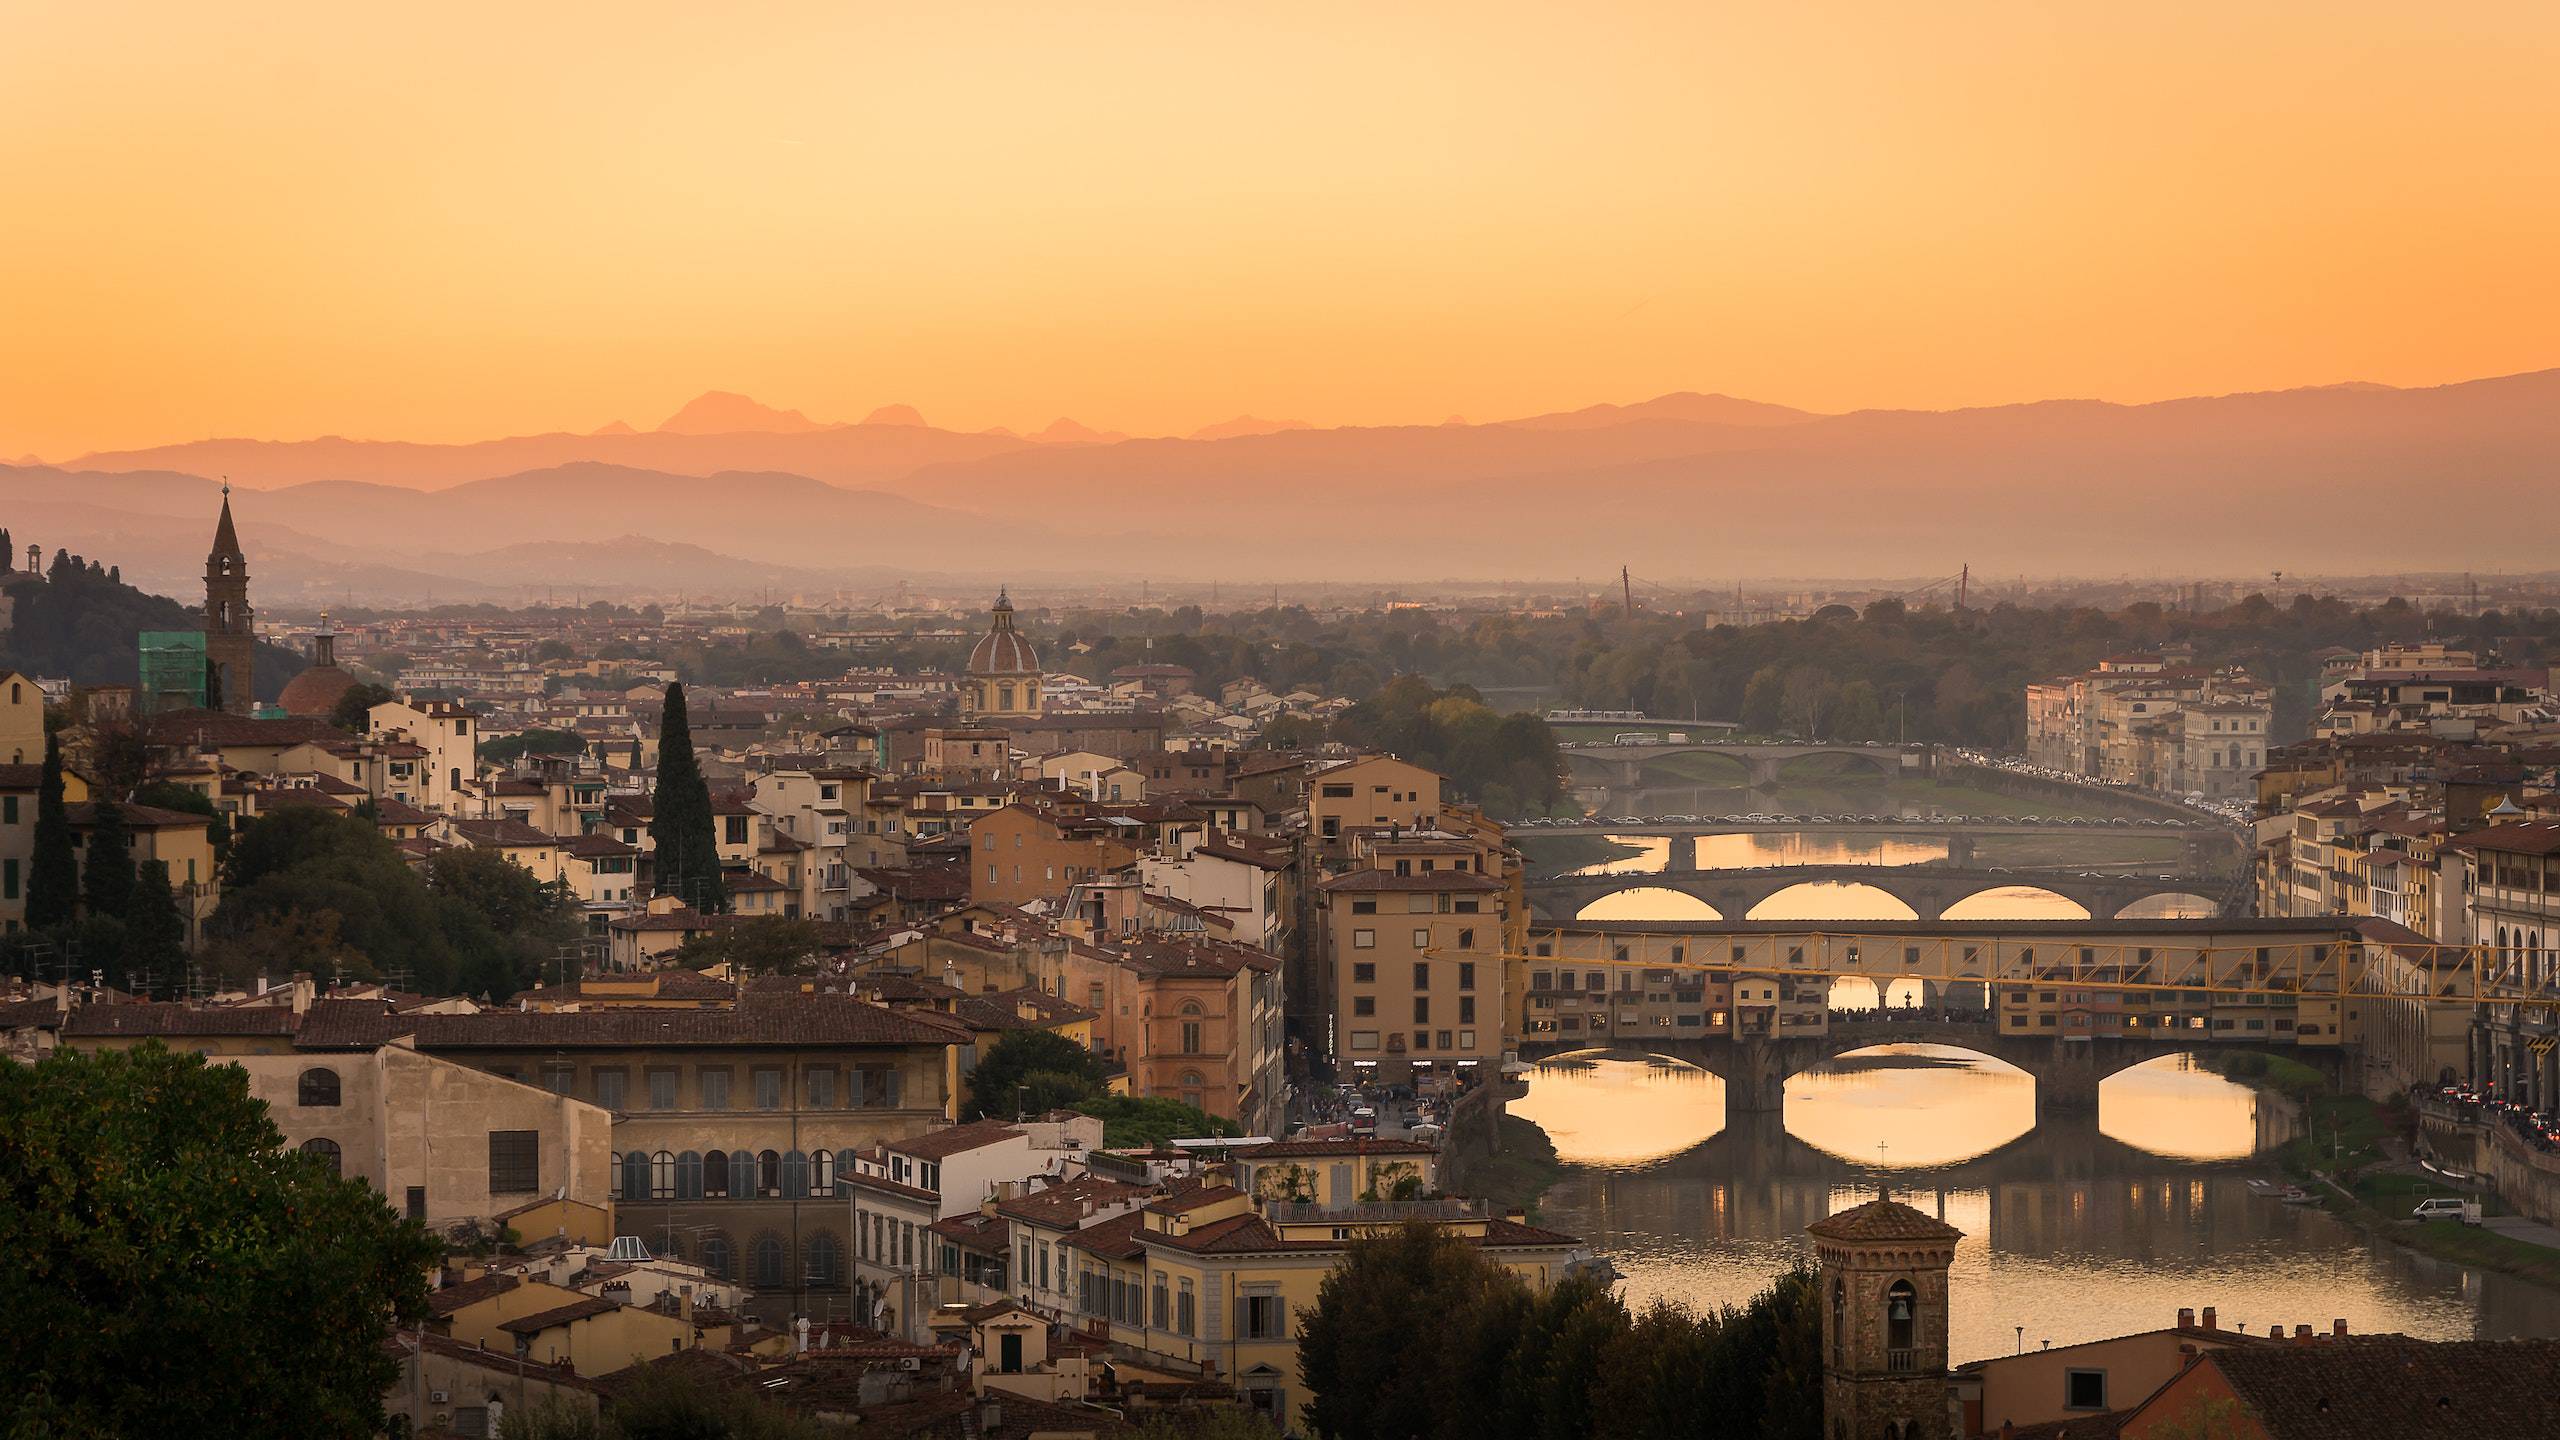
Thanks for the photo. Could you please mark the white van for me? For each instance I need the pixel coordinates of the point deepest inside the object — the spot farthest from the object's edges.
(2443, 1207)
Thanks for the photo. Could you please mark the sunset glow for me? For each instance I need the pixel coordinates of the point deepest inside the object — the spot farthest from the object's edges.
(293, 219)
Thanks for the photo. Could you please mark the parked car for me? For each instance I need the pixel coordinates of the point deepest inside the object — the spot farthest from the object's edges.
(2441, 1207)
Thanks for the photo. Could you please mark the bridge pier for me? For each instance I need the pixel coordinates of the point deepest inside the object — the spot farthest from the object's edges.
(1960, 850)
(1755, 1078)
(2067, 1084)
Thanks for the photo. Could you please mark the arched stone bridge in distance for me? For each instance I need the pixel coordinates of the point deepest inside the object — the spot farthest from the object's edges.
(1930, 890)
(1761, 760)
(2067, 1070)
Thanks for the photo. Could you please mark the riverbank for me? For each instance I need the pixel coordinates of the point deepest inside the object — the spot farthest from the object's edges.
(2355, 1155)
(1511, 1165)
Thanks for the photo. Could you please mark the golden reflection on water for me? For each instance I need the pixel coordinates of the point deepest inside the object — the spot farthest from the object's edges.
(2169, 1107)
(2016, 902)
(1614, 1113)
(1746, 852)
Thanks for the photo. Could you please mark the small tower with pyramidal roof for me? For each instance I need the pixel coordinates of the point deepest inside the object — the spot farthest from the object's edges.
(1883, 1287)
(230, 629)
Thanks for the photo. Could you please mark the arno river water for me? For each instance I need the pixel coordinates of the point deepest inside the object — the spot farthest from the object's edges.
(2086, 1227)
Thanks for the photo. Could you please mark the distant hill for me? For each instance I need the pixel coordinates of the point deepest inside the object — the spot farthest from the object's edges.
(1063, 431)
(718, 412)
(1244, 425)
(895, 415)
(1684, 406)
(74, 621)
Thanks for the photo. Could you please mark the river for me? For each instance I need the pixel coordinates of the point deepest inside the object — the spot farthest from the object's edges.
(2088, 1227)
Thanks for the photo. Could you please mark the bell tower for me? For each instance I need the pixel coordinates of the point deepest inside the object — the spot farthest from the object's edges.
(230, 633)
(1883, 1278)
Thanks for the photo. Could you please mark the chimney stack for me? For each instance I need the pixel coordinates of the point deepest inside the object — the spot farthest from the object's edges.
(2338, 1328)
(2186, 1318)
(2208, 1318)
(2302, 1333)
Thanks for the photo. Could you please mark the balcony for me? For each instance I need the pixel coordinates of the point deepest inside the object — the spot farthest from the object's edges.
(1902, 1359)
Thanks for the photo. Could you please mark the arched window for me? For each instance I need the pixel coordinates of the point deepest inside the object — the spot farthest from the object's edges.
(635, 1175)
(742, 1175)
(1901, 1326)
(822, 1173)
(765, 1261)
(319, 1087)
(769, 1173)
(826, 1261)
(718, 1256)
(1839, 1319)
(715, 1175)
(795, 1176)
(324, 1149)
(1193, 1091)
(662, 1176)
(689, 1175)
(1191, 1007)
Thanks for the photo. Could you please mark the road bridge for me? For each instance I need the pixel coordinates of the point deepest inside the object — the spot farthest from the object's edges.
(1929, 890)
(2067, 1069)
(2203, 843)
(1761, 760)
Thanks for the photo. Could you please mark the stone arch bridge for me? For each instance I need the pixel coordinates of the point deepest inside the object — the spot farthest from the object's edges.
(1928, 889)
(2067, 1070)
(1761, 760)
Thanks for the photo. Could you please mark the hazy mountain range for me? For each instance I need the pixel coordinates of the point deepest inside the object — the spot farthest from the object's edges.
(730, 494)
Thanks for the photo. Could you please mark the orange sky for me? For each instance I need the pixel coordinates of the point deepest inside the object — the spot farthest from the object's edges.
(455, 221)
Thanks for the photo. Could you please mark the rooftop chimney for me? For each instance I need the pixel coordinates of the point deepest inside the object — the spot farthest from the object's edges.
(2186, 1318)
(2338, 1328)
(2208, 1317)
(2302, 1332)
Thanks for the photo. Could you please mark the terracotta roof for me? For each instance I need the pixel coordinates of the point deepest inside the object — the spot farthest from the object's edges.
(31, 1015)
(1061, 1206)
(954, 1139)
(1113, 1239)
(502, 831)
(150, 1018)
(1883, 1219)
(789, 1020)
(2395, 1388)
(2524, 839)
(882, 1183)
(449, 1298)
(575, 1310)
(137, 817)
(985, 1233)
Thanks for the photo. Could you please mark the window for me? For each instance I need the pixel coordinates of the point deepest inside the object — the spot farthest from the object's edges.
(1421, 939)
(1364, 972)
(715, 1175)
(323, 1150)
(662, 1089)
(319, 1086)
(1364, 939)
(662, 1176)
(1358, 907)
(1466, 939)
(515, 1162)
(1162, 1305)
(1364, 1039)
(736, 827)
(609, 1087)
(826, 1260)
(417, 1206)
(769, 1173)
(716, 1255)
(767, 1262)
(1421, 974)
(768, 1085)
(1466, 1009)
(715, 1089)
(1186, 1309)
(1421, 1008)
(822, 1089)
(1364, 1005)
(2084, 1389)
(1466, 974)
(1191, 1037)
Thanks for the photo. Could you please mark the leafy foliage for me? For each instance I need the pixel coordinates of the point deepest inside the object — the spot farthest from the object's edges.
(531, 742)
(53, 873)
(106, 876)
(1510, 764)
(1132, 1121)
(761, 945)
(354, 711)
(168, 1270)
(1034, 1071)
(1500, 1360)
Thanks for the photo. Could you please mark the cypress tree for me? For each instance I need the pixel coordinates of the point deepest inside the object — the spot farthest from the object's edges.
(687, 854)
(106, 885)
(53, 873)
(155, 933)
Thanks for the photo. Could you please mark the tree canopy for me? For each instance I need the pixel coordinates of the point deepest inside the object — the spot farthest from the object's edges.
(685, 850)
(1502, 1361)
(168, 1270)
(1032, 1071)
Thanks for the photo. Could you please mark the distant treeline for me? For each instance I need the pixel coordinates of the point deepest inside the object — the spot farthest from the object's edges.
(82, 621)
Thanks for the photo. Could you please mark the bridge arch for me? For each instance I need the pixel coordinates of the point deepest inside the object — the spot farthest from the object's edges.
(1816, 761)
(1833, 900)
(2169, 905)
(2002, 902)
(1648, 902)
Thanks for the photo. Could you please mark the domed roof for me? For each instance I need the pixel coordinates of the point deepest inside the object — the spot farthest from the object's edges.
(1002, 650)
(316, 691)
(1881, 1219)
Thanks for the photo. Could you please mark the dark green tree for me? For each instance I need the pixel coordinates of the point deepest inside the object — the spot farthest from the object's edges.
(301, 864)
(686, 848)
(155, 932)
(763, 945)
(353, 712)
(53, 872)
(168, 1269)
(1146, 1121)
(1032, 1071)
(106, 877)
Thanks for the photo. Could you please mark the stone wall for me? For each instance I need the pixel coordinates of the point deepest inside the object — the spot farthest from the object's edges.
(2525, 1179)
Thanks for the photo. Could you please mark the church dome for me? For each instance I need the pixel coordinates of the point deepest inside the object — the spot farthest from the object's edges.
(1002, 650)
(316, 691)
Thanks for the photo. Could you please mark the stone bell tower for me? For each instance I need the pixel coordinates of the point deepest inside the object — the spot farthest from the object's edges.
(230, 633)
(1883, 1278)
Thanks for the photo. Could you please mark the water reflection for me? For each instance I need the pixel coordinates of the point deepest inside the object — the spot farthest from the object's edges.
(1749, 852)
(2072, 1232)
(1827, 900)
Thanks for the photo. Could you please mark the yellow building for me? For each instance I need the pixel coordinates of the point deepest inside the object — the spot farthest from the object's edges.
(21, 720)
(1004, 671)
(18, 786)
